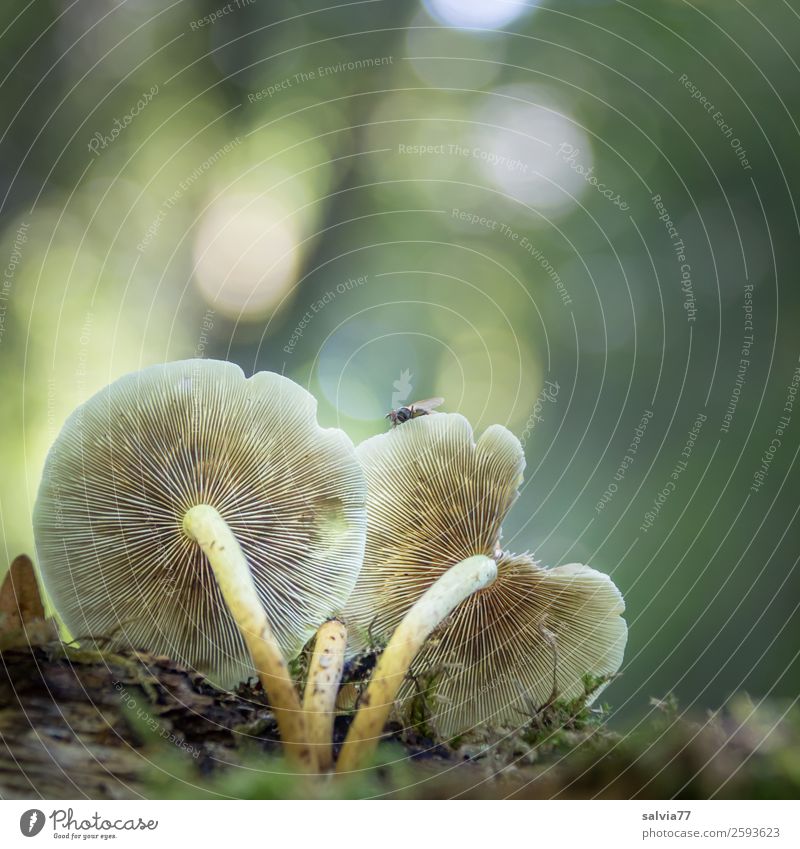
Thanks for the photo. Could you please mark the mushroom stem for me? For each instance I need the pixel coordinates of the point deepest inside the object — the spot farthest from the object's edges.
(322, 686)
(456, 584)
(209, 530)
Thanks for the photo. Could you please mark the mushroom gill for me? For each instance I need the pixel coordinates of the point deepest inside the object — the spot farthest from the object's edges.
(435, 503)
(183, 506)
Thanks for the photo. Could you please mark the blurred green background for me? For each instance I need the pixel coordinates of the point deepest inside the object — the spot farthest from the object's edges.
(390, 200)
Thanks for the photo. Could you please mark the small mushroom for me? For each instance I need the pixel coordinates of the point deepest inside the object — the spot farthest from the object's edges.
(322, 687)
(497, 631)
(192, 512)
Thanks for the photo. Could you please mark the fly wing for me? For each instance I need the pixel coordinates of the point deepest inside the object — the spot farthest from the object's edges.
(428, 404)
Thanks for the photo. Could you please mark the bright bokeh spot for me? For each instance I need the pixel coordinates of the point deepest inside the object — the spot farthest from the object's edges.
(524, 147)
(246, 255)
(452, 58)
(476, 13)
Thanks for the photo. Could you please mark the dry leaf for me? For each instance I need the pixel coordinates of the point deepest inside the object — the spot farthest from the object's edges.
(22, 618)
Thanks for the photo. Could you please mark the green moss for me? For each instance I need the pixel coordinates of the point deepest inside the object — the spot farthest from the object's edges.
(125, 667)
(419, 714)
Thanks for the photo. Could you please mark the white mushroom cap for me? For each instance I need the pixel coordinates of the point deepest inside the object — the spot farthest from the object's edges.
(135, 457)
(434, 498)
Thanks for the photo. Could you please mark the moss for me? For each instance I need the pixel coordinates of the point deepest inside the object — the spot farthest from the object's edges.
(128, 667)
(575, 757)
(420, 710)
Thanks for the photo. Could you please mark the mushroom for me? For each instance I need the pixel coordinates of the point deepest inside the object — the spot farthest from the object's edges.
(322, 687)
(192, 512)
(506, 632)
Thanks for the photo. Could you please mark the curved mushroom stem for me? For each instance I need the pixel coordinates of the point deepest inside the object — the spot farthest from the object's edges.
(209, 530)
(456, 584)
(322, 687)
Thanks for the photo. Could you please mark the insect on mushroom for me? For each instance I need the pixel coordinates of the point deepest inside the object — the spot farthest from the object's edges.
(508, 632)
(192, 512)
(413, 411)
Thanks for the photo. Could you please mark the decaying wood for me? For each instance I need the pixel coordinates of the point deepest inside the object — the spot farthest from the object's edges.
(75, 722)
(85, 721)
(98, 723)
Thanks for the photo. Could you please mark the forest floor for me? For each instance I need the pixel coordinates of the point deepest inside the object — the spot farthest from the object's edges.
(80, 723)
(94, 722)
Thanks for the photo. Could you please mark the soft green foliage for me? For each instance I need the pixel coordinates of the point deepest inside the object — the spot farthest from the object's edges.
(456, 308)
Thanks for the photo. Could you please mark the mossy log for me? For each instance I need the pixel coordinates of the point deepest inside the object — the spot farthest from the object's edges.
(77, 723)
(99, 723)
